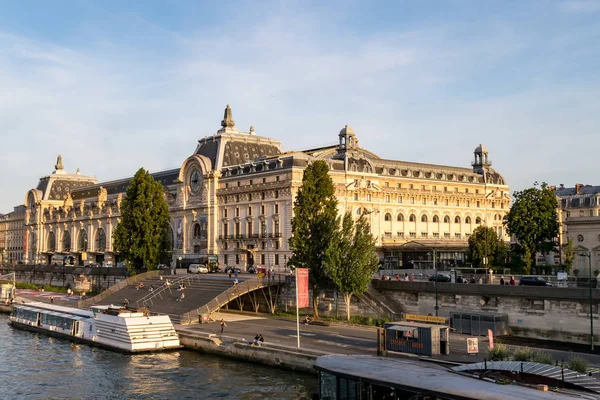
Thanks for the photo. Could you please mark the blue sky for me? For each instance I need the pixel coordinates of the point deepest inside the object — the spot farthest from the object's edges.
(114, 86)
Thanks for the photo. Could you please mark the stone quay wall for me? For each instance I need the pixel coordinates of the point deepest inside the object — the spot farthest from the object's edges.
(547, 313)
(77, 278)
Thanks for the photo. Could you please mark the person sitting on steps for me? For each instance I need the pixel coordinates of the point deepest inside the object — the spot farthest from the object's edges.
(180, 298)
(307, 320)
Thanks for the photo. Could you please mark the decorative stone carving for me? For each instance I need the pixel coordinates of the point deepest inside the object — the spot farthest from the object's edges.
(102, 197)
(119, 201)
(228, 121)
(59, 164)
(68, 204)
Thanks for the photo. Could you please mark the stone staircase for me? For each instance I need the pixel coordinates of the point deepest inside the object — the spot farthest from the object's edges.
(199, 290)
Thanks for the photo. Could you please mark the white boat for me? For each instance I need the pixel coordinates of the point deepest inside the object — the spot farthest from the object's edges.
(116, 328)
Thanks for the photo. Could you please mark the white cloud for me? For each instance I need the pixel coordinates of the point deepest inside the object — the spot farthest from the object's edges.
(580, 6)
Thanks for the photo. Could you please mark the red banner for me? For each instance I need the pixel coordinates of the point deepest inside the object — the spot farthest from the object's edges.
(302, 287)
(491, 338)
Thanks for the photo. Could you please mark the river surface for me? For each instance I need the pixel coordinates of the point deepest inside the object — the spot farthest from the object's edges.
(36, 366)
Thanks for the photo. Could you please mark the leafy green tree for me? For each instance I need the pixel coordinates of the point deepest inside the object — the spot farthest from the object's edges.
(351, 260)
(484, 242)
(313, 225)
(141, 235)
(533, 221)
(569, 254)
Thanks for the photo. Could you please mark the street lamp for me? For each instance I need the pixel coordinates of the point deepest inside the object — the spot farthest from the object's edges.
(589, 256)
(179, 258)
(435, 278)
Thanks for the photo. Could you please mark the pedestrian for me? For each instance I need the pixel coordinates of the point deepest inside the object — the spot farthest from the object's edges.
(255, 342)
(480, 280)
(502, 281)
(261, 339)
(512, 281)
(397, 277)
(51, 299)
(405, 277)
(125, 303)
(235, 282)
(68, 291)
(180, 298)
(411, 278)
(235, 272)
(229, 274)
(223, 325)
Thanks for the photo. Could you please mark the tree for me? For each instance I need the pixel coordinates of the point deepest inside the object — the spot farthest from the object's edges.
(484, 242)
(313, 224)
(350, 260)
(533, 221)
(141, 235)
(569, 254)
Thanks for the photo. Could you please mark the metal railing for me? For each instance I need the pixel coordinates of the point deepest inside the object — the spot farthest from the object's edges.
(227, 296)
(159, 291)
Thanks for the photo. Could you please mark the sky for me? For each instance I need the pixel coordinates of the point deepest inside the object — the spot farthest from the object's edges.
(113, 85)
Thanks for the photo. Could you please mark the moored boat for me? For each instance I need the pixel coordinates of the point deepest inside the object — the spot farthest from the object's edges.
(116, 328)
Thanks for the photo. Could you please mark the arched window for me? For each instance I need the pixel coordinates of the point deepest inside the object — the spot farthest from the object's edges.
(468, 220)
(171, 236)
(197, 231)
(478, 220)
(412, 218)
(436, 219)
(359, 211)
(423, 218)
(51, 242)
(66, 241)
(100, 240)
(388, 217)
(446, 219)
(457, 220)
(400, 217)
(82, 243)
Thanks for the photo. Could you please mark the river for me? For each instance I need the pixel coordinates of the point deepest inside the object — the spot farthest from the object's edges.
(36, 366)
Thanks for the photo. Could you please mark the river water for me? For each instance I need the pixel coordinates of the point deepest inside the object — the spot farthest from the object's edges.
(36, 366)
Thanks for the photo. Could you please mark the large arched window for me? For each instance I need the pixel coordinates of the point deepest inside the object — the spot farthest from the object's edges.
(82, 243)
(100, 240)
(423, 218)
(446, 219)
(478, 220)
(66, 242)
(457, 220)
(197, 231)
(400, 217)
(412, 218)
(388, 217)
(468, 220)
(51, 242)
(436, 219)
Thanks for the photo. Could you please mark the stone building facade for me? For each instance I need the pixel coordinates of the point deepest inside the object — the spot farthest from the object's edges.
(233, 199)
(12, 236)
(579, 217)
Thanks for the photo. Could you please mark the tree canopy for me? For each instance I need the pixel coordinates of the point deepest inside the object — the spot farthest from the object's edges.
(141, 235)
(313, 224)
(569, 254)
(484, 242)
(533, 220)
(351, 260)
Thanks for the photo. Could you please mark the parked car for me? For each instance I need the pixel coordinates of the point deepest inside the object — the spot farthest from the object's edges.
(533, 281)
(212, 268)
(197, 269)
(439, 278)
(163, 267)
(231, 269)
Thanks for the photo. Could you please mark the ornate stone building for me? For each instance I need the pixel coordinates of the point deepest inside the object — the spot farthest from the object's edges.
(579, 217)
(12, 231)
(233, 198)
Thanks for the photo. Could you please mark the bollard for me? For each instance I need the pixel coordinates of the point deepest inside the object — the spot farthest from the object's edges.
(485, 363)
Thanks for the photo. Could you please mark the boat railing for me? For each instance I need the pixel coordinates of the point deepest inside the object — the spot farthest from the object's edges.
(224, 298)
(116, 287)
(158, 292)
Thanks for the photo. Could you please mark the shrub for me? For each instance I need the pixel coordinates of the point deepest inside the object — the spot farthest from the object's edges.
(522, 354)
(498, 353)
(575, 272)
(542, 358)
(578, 364)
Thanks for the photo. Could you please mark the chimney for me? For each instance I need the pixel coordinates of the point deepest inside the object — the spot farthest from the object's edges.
(578, 187)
